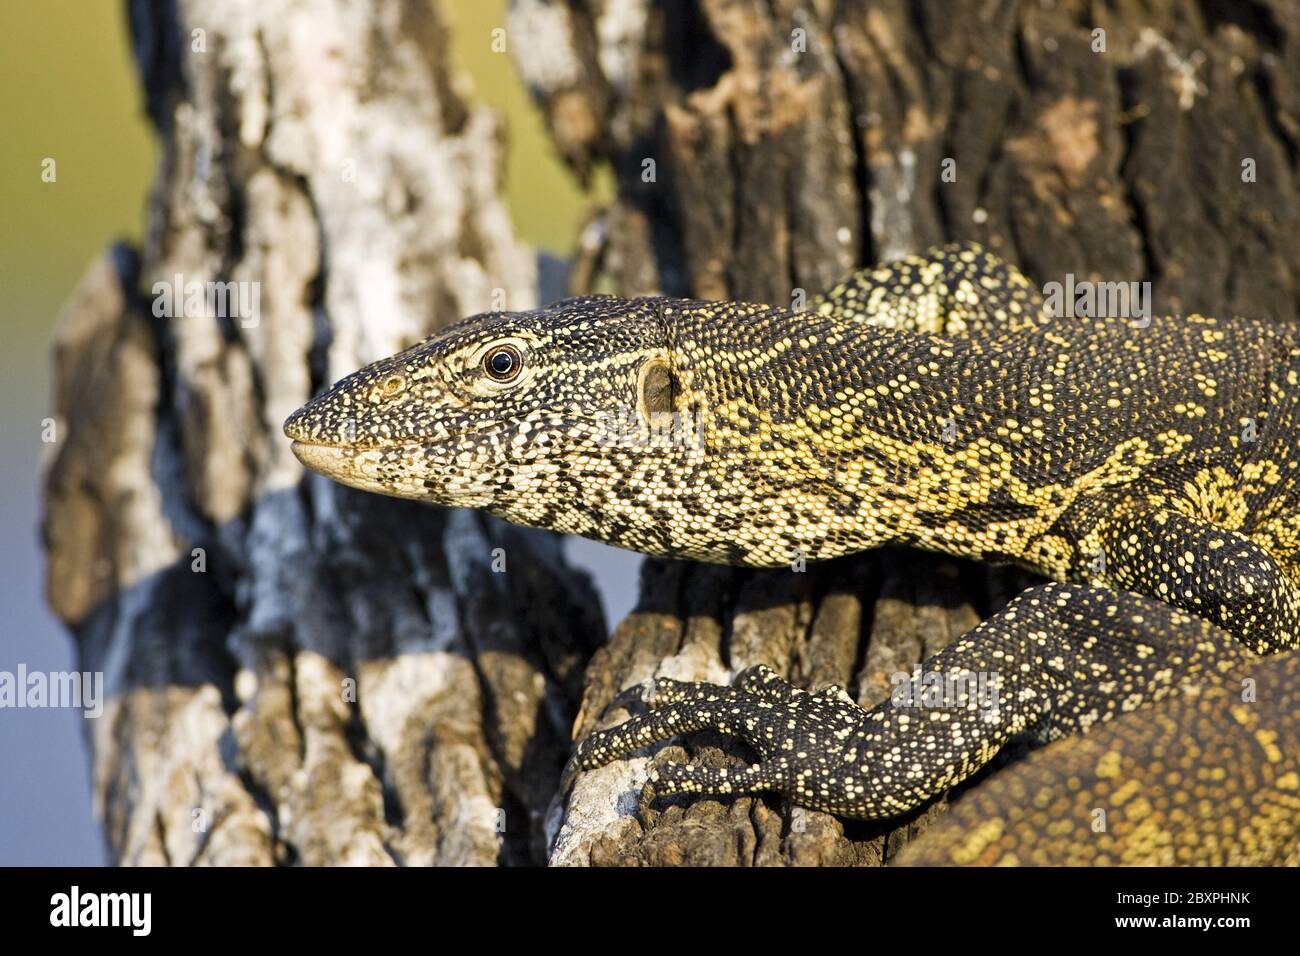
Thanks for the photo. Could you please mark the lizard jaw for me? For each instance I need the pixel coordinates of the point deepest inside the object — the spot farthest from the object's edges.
(332, 461)
(342, 464)
(364, 468)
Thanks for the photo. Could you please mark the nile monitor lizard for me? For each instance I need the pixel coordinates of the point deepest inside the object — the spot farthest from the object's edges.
(1151, 469)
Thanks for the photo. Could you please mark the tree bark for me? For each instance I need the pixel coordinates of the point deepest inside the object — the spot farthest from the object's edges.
(760, 149)
(297, 672)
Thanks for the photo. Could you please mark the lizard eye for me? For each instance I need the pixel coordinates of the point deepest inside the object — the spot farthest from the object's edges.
(503, 363)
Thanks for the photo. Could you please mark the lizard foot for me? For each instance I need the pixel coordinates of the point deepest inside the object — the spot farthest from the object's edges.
(805, 741)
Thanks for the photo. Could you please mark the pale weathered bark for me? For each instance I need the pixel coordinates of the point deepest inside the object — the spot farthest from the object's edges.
(792, 140)
(780, 160)
(300, 673)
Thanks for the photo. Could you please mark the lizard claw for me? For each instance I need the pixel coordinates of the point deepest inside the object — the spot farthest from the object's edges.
(805, 741)
(659, 692)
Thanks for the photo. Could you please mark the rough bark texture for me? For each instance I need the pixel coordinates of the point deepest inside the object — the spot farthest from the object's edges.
(780, 160)
(792, 140)
(299, 673)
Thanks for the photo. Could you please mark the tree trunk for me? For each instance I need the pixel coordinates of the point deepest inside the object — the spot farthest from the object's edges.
(298, 672)
(764, 148)
(760, 149)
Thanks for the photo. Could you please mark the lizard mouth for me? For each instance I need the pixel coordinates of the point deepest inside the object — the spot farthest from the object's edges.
(329, 457)
(369, 469)
(396, 469)
(354, 467)
(333, 461)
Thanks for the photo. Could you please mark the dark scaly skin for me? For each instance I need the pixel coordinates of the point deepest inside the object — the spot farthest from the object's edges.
(932, 402)
(1197, 779)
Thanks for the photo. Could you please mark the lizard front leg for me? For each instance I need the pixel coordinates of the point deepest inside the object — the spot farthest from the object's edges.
(1191, 563)
(957, 289)
(1060, 658)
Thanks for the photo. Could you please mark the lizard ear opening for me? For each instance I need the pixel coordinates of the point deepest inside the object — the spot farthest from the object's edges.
(656, 390)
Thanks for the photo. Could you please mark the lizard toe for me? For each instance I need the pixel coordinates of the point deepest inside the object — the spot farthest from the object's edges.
(762, 681)
(672, 778)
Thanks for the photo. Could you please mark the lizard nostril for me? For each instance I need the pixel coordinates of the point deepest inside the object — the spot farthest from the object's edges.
(293, 426)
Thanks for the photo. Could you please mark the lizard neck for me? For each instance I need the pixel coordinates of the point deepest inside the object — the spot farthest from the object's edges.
(824, 437)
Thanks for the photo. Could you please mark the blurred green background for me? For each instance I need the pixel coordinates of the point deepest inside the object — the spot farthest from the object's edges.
(69, 92)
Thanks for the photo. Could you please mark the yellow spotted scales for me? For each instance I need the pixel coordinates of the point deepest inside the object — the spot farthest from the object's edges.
(1150, 467)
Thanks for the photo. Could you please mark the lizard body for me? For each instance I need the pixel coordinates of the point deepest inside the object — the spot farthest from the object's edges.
(931, 402)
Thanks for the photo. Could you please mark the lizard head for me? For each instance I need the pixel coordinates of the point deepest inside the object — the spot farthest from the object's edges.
(520, 413)
(672, 427)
